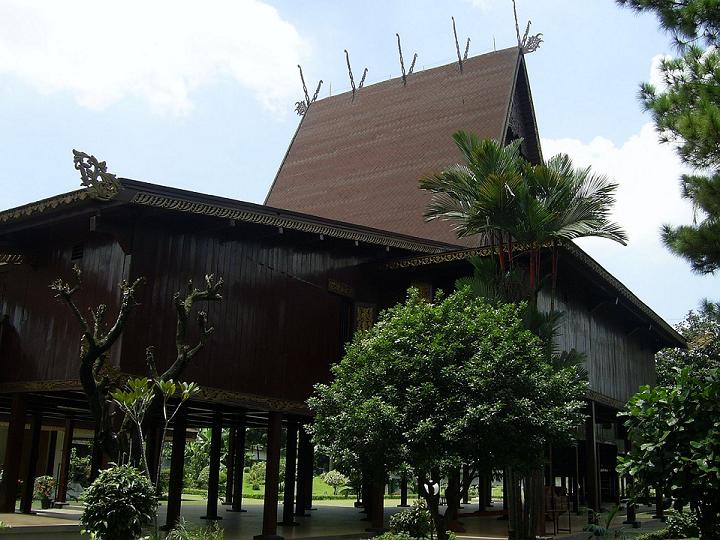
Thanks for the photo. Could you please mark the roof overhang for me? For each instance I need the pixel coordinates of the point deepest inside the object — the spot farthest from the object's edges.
(623, 296)
(143, 194)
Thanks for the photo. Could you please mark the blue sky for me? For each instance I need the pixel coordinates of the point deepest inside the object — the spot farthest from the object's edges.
(200, 95)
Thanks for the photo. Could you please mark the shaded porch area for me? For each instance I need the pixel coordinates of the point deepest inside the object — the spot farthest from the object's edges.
(330, 520)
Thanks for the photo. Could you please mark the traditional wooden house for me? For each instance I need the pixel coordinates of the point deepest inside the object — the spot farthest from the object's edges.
(349, 240)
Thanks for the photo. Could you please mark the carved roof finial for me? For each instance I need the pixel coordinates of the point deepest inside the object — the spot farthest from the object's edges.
(527, 44)
(301, 107)
(402, 62)
(461, 59)
(95, 177)
(352, 80)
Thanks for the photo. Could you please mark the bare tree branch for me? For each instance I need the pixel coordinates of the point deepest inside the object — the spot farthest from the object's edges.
(184, 307)
(95, 344)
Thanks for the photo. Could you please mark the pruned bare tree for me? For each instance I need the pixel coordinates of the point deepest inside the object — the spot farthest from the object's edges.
(95, 344)
(184, 308)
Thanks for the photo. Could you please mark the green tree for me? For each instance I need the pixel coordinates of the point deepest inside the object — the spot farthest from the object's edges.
(702, 332)
(335, 479)
(686, 111)
(442, 384)
(521, 211)
(497, 194)
(675, 440)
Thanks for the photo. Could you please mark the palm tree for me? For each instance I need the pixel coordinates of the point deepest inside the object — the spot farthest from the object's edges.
(504, 200)
(496, 194)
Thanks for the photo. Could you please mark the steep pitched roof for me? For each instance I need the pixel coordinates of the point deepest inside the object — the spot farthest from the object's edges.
(360, 160)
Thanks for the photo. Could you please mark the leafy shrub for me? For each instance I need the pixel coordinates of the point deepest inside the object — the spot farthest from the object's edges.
(44, 486)
(164, 480)
(118, 503)
(79, 468)
(415, 521)
(682, 525)
(394, 536)
(256, 475)
(183, 532)
(662, 534)
(203, 478)
(335, 479)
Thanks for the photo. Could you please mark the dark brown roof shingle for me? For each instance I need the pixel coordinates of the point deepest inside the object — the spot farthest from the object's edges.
(360, 160)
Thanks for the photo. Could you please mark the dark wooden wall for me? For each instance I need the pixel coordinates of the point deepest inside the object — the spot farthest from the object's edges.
(277, 329)
(617, 362)
(40, 338)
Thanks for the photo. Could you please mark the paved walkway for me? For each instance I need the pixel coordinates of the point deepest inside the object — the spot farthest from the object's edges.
(327, 522)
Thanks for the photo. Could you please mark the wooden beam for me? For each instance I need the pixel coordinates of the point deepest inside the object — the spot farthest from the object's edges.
(214, 476)
(13, 454)
(31, 466)
(272, 478)
(239, 460)
(177, 465)
(65, 460)
(290, 459)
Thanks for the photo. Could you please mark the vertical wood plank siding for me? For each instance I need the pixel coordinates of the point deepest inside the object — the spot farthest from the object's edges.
(277, 329)
(617, 362)
(41, 339)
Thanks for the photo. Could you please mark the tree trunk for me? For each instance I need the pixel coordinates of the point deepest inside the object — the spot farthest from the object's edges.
(707, 522)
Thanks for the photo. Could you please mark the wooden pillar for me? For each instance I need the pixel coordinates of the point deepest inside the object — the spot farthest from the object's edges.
(290, 468)
(96, 457)
(403, 490)
(630, 518)
(506, 499)
(13, 454)
(310, 473)
(377, 513)
(65, 461)
(214, 475)
(177, 466)
(304, 473)
(659, 510)
(483, 499)
(230, 467)
(31, 467)
(591, 465)
(466, 485)
(239, 466)
(153, 450)
(272, 478)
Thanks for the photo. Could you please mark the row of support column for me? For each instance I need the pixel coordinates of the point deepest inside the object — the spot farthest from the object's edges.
(14, 453)
(297, 496)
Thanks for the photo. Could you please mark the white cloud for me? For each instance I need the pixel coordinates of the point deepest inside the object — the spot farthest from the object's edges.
(656, 77)
(648, 196)
(160, 51)
(647, 174)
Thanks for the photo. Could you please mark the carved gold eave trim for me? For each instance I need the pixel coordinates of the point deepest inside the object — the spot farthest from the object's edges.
(43, 206)
(180, 205)
(251, 401)
(11, 258)
(448, 256)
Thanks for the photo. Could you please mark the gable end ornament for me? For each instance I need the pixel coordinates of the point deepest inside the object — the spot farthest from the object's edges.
(94, 176)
